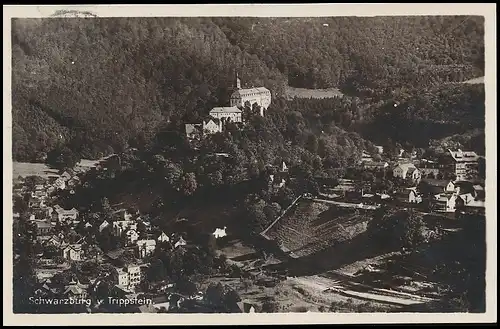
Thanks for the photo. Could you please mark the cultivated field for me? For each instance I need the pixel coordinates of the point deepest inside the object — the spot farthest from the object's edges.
(311, 226)
(292, 92)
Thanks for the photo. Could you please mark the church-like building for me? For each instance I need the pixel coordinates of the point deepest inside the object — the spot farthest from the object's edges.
(260, 95)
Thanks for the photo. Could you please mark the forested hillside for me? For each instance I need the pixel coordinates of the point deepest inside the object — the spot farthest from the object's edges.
(100, 85)
(364, 53)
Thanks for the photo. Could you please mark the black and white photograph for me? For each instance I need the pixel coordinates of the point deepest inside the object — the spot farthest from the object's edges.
(219, 164)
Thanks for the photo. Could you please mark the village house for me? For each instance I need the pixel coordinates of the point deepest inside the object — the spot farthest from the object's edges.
(479, 192)
(277, 180)
(345, 185)
(103, 225)
(131, 236)
(212, 126)
(226, 114)
(66, 176)
(63, 215)
(43, 228)
(366, 157)
(407, 171)
(375, 165)
(465, 187)
(39, 187)
(120, 226)
(283, 168)
(432, 187)
(194, 131)
(445, 202)
(128, 277)
(163, 237)
(429, 169)
(220, 233)
(74, 181)
(463, 164)
(34, 203)
(59, 183)
(145, 247)
(380, 149)
(123, 214)
(260, 95)
(75, 290)
(180, 242)
(72, 252)
(414, 196)
(39, 194)
(467, 203)
(55, 240)
(246, 307)
(45, 288)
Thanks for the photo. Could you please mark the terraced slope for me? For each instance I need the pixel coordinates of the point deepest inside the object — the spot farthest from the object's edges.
(312, 226)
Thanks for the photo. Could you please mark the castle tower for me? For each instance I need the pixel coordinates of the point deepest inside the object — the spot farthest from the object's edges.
(238, 81)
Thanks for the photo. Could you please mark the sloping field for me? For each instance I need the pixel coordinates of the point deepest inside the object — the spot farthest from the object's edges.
(312, 226)
(476, 80)
(24, 169)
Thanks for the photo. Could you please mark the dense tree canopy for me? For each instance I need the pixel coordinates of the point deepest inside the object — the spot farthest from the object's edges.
(100, 85)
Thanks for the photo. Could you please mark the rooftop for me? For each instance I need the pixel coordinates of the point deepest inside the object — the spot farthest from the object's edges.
(146, 242)
(406, 166)
(436, 182)
(461, 156)
(250, 91)
(226, 109)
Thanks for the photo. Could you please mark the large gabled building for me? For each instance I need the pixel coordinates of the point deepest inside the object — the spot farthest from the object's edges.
(463, 164)
(250, 96)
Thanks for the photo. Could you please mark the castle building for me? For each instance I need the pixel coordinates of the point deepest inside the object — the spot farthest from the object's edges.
(232, 113)
(260, 95)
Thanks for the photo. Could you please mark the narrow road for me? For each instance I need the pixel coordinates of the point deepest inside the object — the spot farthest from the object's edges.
(345, 286)
(346, 204)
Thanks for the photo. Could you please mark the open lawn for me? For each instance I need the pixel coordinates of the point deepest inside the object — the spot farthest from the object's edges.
(474, 81)
(25, 169)
(292, 92)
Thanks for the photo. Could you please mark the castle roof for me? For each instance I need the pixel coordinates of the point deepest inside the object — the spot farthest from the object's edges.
(249, 91)
(225, 109)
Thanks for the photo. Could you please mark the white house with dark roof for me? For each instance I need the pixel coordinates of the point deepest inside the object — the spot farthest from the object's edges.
(406, 171)
(131, 236)
(232, 113)
(180, 242)
(145, 247)
(59, 183)
(445, 202)
(72, 252)
(75, 290)
(62, 215)
(212, 126)
(163, 237)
